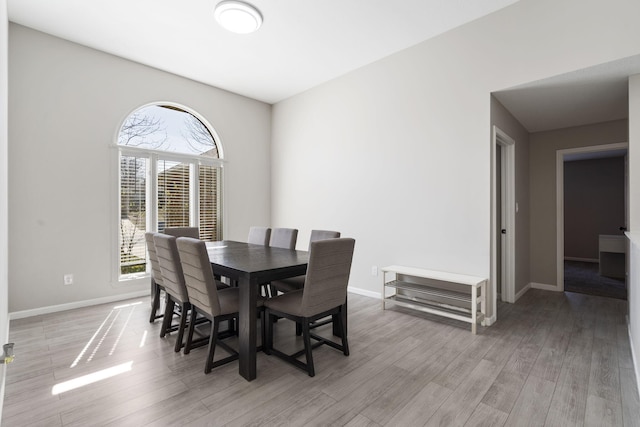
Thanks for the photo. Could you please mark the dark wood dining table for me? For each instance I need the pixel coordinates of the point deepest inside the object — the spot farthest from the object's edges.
(251, 265)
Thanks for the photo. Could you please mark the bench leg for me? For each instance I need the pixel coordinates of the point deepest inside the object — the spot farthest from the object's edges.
(474, 310)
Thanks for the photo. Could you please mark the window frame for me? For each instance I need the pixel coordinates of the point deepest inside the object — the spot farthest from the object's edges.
(152, 157)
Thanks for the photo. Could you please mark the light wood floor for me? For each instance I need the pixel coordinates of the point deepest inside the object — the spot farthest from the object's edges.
(551, 359)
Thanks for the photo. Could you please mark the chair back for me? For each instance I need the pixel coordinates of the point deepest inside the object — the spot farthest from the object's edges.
(283, 238)
(259, 236)
(325, 285)
(169, 260)
(193, 232)
(156, 274)
(323, 235)
(198, 275)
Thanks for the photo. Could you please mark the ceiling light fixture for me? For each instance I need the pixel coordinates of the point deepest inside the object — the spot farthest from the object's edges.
(238, 17)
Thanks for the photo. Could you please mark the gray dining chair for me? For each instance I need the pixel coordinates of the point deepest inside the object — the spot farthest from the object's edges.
(193, 232)
(175, 288)
(295, 283)
(156, 277)
(280, 238)
(207, 299)
(259, 235)
(173, 280)
(324, 294)
(283, 238)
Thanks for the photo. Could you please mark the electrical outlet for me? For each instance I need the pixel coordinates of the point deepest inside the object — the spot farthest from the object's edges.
(374, 270)
(68, 279)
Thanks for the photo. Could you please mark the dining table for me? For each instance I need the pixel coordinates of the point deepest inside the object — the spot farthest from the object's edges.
(250, 266)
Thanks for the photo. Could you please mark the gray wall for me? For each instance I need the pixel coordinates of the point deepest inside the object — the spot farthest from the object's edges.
(593, 204)
(67, 103)
(542, 166)
(504, 120)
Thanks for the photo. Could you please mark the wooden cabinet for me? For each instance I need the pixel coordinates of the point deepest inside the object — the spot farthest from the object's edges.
(456, 296)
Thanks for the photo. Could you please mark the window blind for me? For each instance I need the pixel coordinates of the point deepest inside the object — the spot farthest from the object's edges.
(133, 173)
(173, 194)
(208, 189)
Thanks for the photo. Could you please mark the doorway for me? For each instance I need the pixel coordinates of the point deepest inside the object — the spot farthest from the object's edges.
(591, 219)
(503, 210)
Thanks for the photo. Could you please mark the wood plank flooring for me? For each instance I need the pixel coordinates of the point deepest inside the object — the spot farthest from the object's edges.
(552, 359)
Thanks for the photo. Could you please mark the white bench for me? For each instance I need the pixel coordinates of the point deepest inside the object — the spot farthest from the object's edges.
(437, 292)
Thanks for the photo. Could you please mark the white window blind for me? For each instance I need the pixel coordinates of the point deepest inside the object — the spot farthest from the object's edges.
(173, 194)
(133, 174)
(208, 189)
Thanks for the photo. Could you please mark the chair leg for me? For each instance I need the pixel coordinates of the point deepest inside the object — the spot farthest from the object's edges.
(298, 329)
(155, 301)
(181, 327)
(342, 319)
(192, 327)
(265, 287)
(273, 292)
(307, 346)
(212, 346)
(168, 316)
(336, 330)
(268, 319)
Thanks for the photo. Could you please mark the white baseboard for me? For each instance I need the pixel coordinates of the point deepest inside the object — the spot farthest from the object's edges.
(87, 303)
(571, 258)
(364, 292)
(77, 304)
(522, 292)
(490, 320)
(544, 287)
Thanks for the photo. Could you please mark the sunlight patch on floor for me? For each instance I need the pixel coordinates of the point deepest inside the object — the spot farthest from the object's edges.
(91, 378)
(112, 317)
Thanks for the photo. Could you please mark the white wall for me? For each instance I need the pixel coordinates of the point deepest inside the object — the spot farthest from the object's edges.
(67, 103)
(4, 321)
(397, 153)
(634, 219)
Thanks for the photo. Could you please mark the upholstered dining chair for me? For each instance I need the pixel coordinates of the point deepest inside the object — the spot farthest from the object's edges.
(174, 286)
(295, 283)
(285, 238)
(324, 293)
(206, 299)
(156, 277)
(259, 235)
(193, 232)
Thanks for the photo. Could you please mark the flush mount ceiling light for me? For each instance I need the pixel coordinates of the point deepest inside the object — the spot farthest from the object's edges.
(238, 17)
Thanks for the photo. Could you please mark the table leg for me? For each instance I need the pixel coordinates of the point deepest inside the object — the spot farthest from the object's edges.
(248, 289)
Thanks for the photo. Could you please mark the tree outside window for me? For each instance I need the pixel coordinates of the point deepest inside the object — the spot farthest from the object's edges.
(169, 177)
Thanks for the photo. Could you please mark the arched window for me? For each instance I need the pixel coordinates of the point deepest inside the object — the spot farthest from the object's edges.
(169, 168)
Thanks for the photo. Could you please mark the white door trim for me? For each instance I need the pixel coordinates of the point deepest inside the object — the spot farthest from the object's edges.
(560, 158)
(508, 216)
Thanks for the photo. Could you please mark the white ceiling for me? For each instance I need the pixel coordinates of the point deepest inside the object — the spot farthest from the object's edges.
(301, 44)
(591, 95)
(305, 43)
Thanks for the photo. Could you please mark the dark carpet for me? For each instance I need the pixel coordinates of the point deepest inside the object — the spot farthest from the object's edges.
(583, 277)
